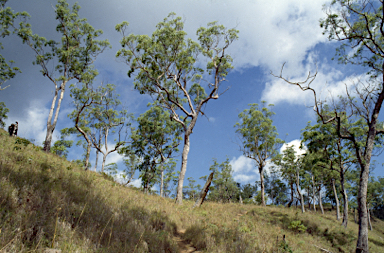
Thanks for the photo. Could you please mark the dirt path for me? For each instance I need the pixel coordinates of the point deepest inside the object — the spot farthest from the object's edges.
(184, 246)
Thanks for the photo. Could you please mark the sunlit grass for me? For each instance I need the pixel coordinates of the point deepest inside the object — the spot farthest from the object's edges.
(48, 202)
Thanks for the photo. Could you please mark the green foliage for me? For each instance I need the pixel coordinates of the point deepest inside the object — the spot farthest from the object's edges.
(3, 114)
(223, 187)
(276, 188)
(258, 135)
(191, 190)
(111, 171)
(7, 27)
(257, 198)
(60, 147)
(297, 226)
(247, 192)
(155, 140)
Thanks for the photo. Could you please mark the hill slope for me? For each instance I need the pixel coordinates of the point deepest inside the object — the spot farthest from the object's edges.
(48, 202)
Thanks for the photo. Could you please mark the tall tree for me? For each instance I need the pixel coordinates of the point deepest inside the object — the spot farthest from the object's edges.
(70, 59)
(170, 69)
(7, 27)
(110, 118)
(359, 27)
(258, 136)
(155, 140)
(291, 167)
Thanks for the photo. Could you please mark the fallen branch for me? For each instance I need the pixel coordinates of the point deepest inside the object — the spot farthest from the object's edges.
(322, 249)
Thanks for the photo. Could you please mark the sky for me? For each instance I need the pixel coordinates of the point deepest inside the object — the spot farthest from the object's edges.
(271, 33)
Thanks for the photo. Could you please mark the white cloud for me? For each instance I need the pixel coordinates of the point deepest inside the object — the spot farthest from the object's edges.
(328, 84)
(33, 125)
(245, 171)
(296, 146)
(113, 157)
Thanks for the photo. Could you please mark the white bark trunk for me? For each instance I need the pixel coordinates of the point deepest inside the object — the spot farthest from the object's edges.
(299, 192)
(52, 125)
(261, 171)
(337, 200)
(321, 202)
(184, 158)
(313, 193)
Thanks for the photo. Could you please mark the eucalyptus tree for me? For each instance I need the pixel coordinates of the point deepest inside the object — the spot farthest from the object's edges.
(258, 136)
(291, 168)
(170, 68)
(155, 140)
(110, 118)
(359, 27)
(84, 99)
(7, 27)
(70, 59)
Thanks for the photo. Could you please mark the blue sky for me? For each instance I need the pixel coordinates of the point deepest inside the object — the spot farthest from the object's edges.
(271, 33)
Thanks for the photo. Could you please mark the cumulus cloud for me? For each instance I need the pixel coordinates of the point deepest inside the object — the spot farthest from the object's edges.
(296, 146)
(245, 171)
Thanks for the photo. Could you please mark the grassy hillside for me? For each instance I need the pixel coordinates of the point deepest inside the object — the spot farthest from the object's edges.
(47, 202)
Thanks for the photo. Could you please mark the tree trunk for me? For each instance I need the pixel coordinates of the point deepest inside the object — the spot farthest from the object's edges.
(345, 197)
(52, 125)
(320, 201)
(261, 171)
(162, 183)
(87, 155)
(97, 159)
(291, 201)
(369, 218)
(354, 215)
(336, 199)
(241, 200)
(313, 193)
(203, 192)
(362, 239)
(299, 192)
(184, 158)
(103, 164)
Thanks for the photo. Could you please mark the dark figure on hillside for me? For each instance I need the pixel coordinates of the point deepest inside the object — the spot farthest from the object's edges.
(12, 129)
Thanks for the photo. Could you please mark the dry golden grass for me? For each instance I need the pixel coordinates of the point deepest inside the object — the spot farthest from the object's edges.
(48, 202)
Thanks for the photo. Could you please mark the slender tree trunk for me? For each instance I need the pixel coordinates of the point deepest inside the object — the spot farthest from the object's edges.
(321, 201)
(87, 155)
(345, 197)
(299, 191)
(52, 125)
(336, 199)
(261, 171)
(291, 201)
(162, 183)
(313, 193)
(354, 215)
(184, 158)
(97, 159)
(103, 164)
(369, 218)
